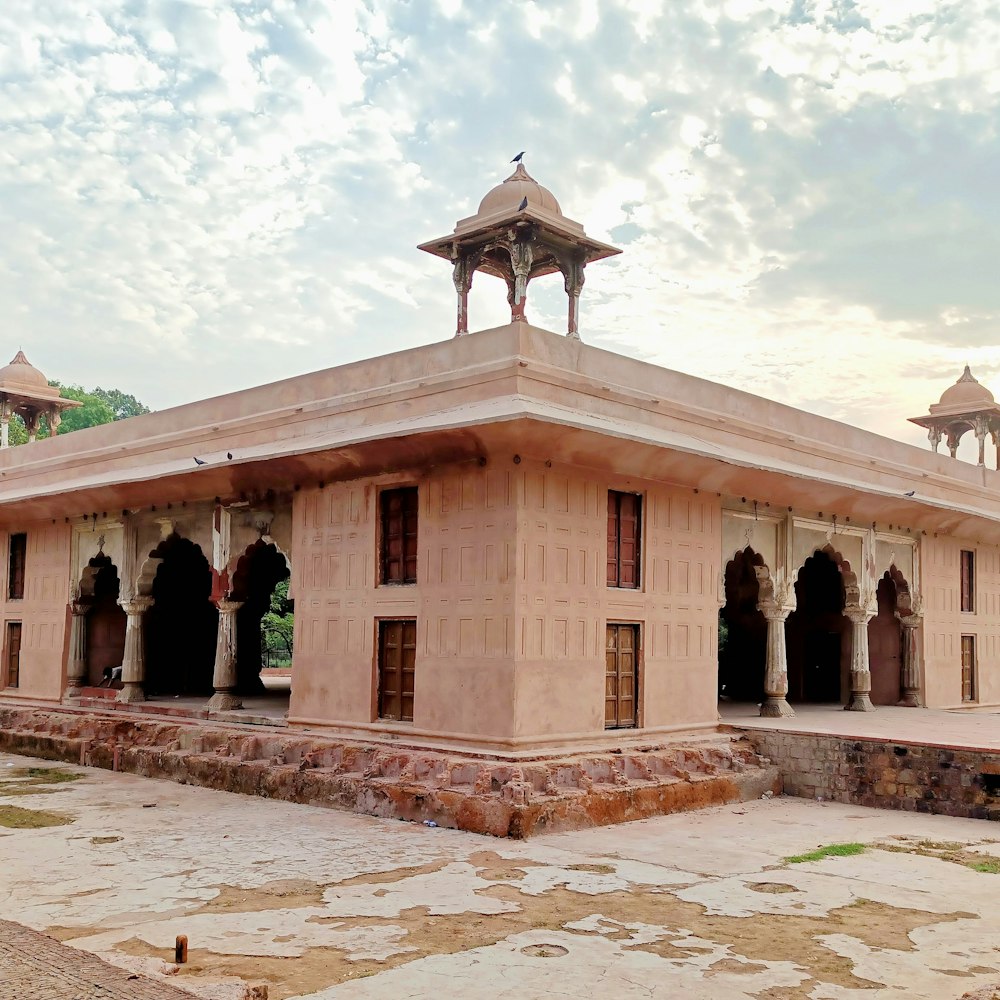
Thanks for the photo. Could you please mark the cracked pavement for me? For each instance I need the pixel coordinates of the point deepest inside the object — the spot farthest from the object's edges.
(329, 905)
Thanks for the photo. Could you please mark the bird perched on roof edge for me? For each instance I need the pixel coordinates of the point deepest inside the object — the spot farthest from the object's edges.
(524, 204)
(199, 461)
(517, 159)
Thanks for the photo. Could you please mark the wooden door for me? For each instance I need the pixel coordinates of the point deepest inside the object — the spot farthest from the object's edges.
(621, 677)
(968, 668)
(397, 654)
(13, 658)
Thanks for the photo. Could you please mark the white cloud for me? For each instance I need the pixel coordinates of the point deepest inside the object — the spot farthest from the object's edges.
(202, 195)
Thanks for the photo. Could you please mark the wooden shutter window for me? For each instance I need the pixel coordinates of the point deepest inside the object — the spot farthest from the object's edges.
(624, 525)
(613, 536)
(398, 557)
(968, 580)
(397, 654)
(16, 566)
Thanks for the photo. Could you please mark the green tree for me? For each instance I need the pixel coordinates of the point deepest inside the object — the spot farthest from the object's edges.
(99, 406)
(277, 626)
(122, 404)
(93, 412)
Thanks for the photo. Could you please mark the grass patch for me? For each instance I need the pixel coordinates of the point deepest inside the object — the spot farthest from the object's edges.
(47, 775)
(992, 866)
(16, 818)
(830, 851)
(956, 854)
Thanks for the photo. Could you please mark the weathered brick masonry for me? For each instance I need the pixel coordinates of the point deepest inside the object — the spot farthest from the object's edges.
(914, 777)
(505, 798)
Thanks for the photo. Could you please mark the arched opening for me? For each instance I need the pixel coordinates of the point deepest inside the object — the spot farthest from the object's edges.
(264, 623)
(885, 645)
(817, 634)
(105, 618)
(742, 631)
(181, 626)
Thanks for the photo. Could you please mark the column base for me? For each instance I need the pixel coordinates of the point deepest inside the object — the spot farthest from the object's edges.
(910, 699)
(131, 693)
(860, 702)
(224, 701)
(74, 689)
(775, 707)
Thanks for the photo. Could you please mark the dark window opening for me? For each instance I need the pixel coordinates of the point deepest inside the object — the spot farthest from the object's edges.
(16, 565)
(398, 557)
(624, 520)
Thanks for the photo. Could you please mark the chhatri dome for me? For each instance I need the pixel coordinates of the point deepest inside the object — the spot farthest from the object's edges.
(507, 196)
(965, 406)
(24, 390)
(966, 392)
(519, 233)
(22, 372)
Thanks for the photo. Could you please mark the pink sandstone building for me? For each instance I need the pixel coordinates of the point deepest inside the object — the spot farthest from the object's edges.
(507, 540)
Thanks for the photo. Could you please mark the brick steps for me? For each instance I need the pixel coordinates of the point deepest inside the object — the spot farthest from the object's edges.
(502, 798)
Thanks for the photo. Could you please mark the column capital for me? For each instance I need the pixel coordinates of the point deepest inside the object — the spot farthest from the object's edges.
(860, 615)
(227, 606)
(78, 607)
(910, 621)
(137, 605)
(773, 611)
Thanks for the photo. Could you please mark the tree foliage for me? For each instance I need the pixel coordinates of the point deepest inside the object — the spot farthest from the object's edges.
(100, 406)
(121, 404)
(277, 626)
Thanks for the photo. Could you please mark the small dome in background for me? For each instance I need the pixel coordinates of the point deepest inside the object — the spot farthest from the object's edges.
(966, 392)
(23, 372)
(507, 196)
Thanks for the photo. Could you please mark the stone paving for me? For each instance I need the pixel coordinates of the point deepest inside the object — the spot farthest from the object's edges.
(312, 903)
(977, 729)
(36, 967)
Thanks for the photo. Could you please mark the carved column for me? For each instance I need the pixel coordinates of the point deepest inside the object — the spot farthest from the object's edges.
(953, 440)
(861, 677)
(910, 680)
(573, 283)
(934, 435)
(134, 659)
(5, 416)
(225, 698)
(775, 703)
(76, 669)
(464, 269)
(521, 259)
(981, 428)
(55, 419)
(33, 422)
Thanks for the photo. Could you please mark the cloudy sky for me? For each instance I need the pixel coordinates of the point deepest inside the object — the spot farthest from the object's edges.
(202, 195)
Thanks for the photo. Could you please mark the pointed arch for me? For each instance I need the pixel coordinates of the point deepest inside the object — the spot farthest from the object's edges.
(817, 632)
(255, 574)
(742, 627)
(181, 625)
(99, 590)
